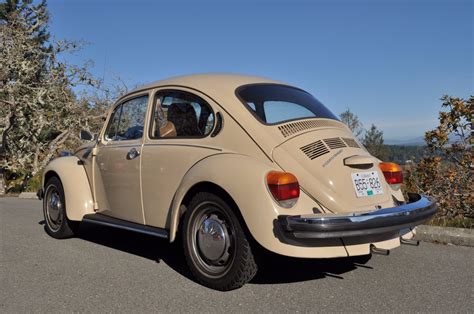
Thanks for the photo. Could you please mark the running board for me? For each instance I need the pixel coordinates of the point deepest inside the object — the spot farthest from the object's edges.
(125, 225)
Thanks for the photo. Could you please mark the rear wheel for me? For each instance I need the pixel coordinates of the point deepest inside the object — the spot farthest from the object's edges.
(54, 209)
(215, 246)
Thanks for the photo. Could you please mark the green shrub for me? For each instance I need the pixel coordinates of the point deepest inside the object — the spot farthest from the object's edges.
(34, 184)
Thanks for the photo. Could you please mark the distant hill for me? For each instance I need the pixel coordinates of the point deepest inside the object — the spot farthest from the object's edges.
(401, 154)
(416, 141)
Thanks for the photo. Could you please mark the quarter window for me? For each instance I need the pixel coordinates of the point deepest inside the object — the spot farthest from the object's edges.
(127, 120)
(180, 114)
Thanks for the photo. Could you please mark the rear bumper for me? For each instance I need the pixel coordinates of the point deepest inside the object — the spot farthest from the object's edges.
(388, 220)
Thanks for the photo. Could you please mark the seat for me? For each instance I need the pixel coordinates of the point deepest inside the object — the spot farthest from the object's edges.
(162, 127)
(168, 130)
(183, 117)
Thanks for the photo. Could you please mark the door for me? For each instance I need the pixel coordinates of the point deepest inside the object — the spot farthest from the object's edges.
(117, 162)
(179, 137)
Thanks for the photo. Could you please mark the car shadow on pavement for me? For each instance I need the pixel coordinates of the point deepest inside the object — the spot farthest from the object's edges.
(273, 269)
(146, 246)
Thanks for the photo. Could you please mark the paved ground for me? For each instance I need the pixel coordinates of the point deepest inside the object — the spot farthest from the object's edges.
(112, 270)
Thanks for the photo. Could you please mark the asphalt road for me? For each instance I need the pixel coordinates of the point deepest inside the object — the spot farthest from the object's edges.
(112, 270)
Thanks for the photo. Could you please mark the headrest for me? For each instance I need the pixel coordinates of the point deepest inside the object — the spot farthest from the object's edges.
(181, 107)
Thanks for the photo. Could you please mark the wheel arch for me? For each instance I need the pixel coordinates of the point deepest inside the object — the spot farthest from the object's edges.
(207, 186)
(77, 190)
(224, 175)
(48, 175)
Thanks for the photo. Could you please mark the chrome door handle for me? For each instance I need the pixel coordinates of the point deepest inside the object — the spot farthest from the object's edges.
(133, 153)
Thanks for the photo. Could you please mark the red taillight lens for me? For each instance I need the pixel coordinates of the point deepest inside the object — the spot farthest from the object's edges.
(393, 173)
(284, 187)
(285, 192)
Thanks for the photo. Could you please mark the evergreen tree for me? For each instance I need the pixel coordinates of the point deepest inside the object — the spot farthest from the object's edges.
(38, 112)
(373, 142)
(33, 17)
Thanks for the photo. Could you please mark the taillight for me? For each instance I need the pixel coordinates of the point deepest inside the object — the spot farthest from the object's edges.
(284, 188)
(393, 173)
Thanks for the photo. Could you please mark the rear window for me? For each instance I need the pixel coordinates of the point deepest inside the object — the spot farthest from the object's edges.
(273, 104)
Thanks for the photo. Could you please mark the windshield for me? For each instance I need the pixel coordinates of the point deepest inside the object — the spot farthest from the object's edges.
(273, 104)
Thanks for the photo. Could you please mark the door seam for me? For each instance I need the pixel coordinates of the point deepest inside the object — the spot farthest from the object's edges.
(141, 185)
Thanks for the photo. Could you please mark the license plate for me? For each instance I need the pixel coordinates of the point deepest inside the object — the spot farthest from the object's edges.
(367, 183)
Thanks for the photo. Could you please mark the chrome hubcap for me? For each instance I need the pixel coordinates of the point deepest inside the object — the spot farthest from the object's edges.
(54, 208)
(213, 240)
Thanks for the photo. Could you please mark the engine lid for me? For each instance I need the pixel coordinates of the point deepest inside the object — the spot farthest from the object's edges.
(326, 163)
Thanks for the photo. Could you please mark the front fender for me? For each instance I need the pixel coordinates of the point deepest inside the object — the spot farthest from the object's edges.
(77, 190)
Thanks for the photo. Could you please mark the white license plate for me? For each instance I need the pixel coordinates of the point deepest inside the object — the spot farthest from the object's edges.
(367, 183)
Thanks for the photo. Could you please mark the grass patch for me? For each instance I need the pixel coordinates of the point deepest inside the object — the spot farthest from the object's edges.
(452, 222)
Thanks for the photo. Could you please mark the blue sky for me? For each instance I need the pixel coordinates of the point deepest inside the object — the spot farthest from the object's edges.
(388, 61)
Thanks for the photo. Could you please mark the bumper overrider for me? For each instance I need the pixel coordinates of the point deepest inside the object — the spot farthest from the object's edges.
(417, 210)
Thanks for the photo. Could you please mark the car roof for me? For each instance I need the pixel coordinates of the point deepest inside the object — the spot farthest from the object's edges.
(220, 87)
(208, 83)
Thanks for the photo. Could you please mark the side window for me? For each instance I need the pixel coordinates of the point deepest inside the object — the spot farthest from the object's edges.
(128, 120)
(180, 114)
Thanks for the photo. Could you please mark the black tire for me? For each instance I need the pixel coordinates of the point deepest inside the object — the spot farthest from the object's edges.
(232, 264)
(56, 223)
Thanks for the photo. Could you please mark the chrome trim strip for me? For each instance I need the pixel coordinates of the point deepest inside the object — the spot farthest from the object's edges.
(181, 144)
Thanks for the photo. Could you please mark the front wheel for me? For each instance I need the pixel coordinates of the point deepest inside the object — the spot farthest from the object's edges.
(54, 209)
(215, 246)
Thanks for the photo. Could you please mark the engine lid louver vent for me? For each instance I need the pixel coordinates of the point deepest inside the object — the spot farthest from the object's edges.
(300, 126)
(351, 142)
(317, 149)
(314, 150)
(334, 143)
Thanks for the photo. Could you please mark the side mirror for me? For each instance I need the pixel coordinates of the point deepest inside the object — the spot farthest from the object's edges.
(85, 135)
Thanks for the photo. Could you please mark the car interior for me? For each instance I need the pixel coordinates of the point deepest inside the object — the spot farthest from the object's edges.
(180, 115)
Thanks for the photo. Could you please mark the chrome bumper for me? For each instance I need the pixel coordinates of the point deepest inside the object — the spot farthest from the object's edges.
(388, 220)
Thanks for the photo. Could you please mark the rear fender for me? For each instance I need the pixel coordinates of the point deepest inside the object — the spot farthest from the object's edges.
(242, 177)
(77, 190)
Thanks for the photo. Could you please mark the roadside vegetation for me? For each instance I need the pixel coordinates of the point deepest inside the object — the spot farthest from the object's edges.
(446, 173)
(41, 115)
(443, 168)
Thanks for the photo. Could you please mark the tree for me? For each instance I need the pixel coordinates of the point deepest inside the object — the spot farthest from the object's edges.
(353, 122)
(447, 172)
(373, 142)
(39, 111)
(400, 154)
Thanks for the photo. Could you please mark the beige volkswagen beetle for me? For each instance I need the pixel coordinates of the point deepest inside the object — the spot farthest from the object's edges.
(232, 162)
